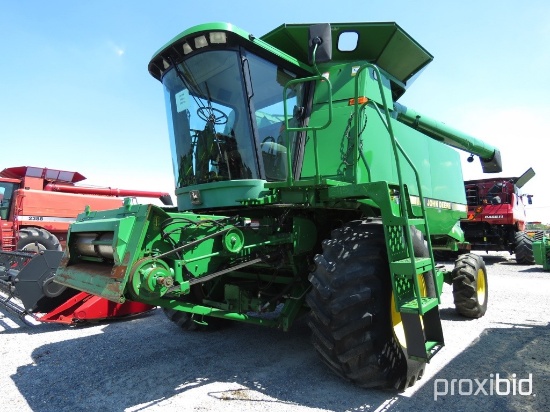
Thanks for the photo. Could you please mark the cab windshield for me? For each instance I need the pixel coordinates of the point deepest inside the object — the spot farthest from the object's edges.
(226, 117)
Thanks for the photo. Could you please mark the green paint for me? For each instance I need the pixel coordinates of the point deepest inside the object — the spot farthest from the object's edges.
(270, 155)
(541, 251)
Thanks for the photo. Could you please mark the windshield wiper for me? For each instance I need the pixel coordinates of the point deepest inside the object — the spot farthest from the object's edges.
(186, 84)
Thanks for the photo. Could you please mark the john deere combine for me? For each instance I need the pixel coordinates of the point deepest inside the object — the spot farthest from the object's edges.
(303, 187)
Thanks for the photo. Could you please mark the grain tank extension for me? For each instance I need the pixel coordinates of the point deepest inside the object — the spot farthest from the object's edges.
(303, 188)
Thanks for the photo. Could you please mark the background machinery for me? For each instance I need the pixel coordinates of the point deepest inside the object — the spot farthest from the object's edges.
(303, 188)
(541, 249)
(37, 205)
(496, 217)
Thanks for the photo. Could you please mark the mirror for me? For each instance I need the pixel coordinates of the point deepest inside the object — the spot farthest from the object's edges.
(320, 35)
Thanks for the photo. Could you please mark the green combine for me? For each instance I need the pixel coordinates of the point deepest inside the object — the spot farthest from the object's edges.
(541, 249)
(303, 188)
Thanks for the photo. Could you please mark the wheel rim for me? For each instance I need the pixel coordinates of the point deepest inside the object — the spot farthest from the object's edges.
(397, 322)
(31, 247)
(481, 287)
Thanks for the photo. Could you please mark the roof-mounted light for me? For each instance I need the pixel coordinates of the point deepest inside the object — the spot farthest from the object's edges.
(200, 42)
(186, 48)
(217, 37)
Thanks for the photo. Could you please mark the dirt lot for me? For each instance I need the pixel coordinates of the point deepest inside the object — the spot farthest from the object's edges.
(498, 362)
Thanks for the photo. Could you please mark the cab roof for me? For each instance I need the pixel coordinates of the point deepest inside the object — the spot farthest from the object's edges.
(386, 45)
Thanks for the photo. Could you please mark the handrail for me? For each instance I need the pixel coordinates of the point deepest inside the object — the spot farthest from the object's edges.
(396, 147)
(290, 177)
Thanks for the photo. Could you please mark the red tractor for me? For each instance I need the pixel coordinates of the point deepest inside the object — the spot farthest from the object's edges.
(496, 216)
(37, 205)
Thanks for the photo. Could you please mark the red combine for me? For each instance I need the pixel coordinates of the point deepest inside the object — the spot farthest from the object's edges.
(496, 216)
(37, 205)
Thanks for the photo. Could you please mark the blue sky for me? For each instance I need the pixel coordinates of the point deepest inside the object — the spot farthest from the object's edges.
(76, 94)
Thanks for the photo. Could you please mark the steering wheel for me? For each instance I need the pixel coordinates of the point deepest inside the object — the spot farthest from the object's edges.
(269, 139)
(212, 115)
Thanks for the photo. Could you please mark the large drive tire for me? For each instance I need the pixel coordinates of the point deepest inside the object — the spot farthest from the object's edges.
(35, 240)
(351, 314)
(523, 249)
(470, 287)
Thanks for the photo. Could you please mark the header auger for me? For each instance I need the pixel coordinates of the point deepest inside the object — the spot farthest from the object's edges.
(302, 188)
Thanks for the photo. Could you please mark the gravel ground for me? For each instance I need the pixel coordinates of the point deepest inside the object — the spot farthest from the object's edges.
(148, 364)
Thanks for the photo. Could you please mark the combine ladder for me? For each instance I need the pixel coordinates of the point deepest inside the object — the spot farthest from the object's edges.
(7, 240)
(419, 312)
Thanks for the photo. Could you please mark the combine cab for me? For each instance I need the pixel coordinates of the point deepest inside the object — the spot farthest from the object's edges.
(37, 205)
(496, 216)
(303, 188)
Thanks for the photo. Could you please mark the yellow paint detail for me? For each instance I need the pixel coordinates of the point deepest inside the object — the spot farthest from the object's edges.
(481, 286)
(398, 329)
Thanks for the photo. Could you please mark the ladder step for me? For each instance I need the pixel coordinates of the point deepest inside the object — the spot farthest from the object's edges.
(404, 266)
(424, 335)
(431, 345)
(431, 348)
(411, 306)
(8, 241)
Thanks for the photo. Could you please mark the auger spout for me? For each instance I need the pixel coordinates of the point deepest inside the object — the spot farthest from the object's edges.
(488, 155)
